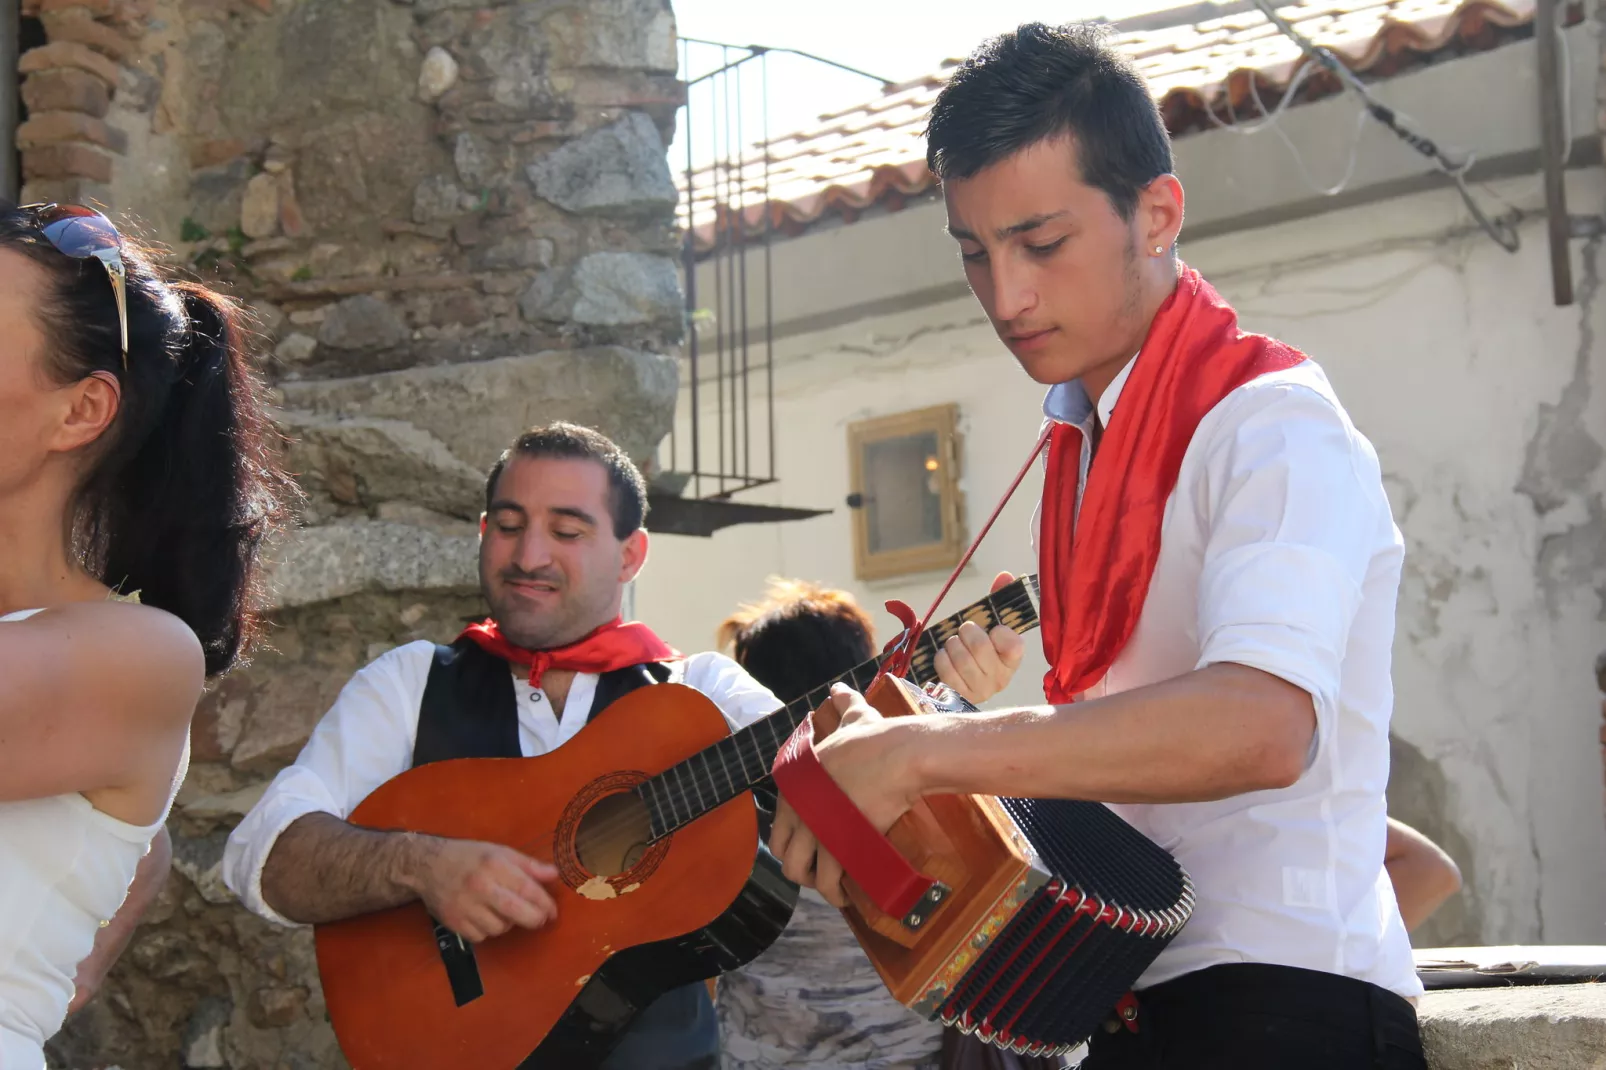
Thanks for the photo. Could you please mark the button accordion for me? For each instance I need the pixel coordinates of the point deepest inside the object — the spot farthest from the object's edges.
(1019, 921)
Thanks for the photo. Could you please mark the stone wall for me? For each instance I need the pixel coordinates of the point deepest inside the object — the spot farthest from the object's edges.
(451, 219)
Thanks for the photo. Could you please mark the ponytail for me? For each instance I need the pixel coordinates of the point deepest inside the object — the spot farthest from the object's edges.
(185, 517)
(183, 488)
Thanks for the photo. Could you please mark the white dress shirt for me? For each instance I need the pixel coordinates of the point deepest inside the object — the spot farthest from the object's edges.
(367, 737)
(1278, 551)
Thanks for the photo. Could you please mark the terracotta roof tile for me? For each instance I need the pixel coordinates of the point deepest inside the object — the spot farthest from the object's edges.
(874, 153)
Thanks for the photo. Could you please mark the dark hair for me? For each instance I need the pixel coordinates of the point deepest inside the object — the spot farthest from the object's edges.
(627, 491)
(798, 637)
(1040, 82)
(184, 485)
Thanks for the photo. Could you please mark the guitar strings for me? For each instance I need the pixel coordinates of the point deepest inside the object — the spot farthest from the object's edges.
(680, 797)
(693, 802)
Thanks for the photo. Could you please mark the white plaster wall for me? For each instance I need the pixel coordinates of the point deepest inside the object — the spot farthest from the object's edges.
(1476, 391)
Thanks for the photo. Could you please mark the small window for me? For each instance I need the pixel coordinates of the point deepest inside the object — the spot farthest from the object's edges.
(909, 512)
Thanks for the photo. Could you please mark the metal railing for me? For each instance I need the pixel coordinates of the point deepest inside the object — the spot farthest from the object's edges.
(723, 439)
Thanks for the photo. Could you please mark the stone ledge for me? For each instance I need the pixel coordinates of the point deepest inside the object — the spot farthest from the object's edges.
(362, 461)
(333, 560)
(80, 27)
(1522, 1027)
(57, 127)
(478, 408)
(67, 89)
(66, 160)
(58, 55)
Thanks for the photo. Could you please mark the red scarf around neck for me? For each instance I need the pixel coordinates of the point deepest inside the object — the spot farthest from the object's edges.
(1096, 568)
(612, 646)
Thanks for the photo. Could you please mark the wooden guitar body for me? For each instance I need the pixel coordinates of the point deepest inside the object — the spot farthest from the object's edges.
(635, 918)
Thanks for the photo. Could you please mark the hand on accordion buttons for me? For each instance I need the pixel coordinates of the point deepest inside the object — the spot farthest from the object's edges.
(859, 756)
(980, 664)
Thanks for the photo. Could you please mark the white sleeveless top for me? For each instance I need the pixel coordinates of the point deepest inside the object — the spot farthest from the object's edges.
(65, 868)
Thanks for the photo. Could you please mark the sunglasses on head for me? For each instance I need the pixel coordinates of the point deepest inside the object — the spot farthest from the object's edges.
(83, 234)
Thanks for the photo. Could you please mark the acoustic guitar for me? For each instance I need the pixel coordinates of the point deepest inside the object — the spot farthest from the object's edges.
(648, 815)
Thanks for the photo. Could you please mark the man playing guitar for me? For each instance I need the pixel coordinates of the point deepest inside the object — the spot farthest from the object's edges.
(1218, 630)
(561, 536)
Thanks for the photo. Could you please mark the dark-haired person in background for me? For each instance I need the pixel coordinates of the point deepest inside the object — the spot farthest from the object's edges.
(813, 999)
(136, 486)
(561, 536)
(1219, 629)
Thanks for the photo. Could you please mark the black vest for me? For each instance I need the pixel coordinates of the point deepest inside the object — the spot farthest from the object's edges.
(469, 710)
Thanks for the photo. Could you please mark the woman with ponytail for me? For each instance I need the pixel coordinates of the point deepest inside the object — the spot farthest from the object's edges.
(136, 488)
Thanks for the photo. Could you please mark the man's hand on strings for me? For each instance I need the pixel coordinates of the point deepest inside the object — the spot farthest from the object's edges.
(862, 757)
(980, 664)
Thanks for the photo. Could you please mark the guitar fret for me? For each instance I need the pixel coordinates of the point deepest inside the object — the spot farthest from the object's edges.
(730, 781)
(697, 787)
(741, 756)
(680, 790)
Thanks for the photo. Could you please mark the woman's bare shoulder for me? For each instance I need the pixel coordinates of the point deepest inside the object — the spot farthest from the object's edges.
(149, 657)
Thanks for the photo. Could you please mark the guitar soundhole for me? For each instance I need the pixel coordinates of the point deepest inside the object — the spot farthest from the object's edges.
(614, 835)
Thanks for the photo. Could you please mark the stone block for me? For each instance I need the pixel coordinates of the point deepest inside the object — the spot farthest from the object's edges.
(292, 221)
(200, 860)
(388, 460)
(350, 556)
(617, 34)
(478, 408)
(619, 168)
(437, 199)
(515, 253)
(268, 319)
(78, 26)
(437, 75)
(69, 55)
(506, 56)
(616, 289)
(259, 210)
(52, 127)
(67, 89)
(98, 8)
(473, 157)
(203, 1035)
(66, 160)
(296, 348)
(229, 806)
(362, 322)
(273, 1007)
(1524, 1027)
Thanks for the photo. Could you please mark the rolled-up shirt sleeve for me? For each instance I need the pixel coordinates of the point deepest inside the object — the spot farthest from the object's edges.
(364, 739)
(1292, 501)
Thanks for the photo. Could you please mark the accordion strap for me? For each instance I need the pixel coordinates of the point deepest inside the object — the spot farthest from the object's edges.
(896, 887)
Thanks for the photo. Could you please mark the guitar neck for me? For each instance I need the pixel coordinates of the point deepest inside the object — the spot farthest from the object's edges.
(685, 791)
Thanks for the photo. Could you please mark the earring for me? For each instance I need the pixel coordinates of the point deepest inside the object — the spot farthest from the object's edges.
(1159, 249)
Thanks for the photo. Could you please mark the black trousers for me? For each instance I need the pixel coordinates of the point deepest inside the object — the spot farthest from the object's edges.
(1249, 1016)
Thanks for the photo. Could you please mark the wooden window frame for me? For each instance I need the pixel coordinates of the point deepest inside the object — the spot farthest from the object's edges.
(944, 421)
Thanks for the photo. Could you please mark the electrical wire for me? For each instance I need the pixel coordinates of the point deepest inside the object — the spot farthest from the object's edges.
(1502, 232)
(1272, 120)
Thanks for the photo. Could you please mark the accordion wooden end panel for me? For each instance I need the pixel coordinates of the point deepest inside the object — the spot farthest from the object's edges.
(1056, 908)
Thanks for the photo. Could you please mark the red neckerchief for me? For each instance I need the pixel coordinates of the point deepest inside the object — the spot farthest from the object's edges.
(612, 646)
(1096, 568)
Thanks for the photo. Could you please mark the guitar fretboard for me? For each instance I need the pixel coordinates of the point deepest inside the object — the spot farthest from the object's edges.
(685, 791)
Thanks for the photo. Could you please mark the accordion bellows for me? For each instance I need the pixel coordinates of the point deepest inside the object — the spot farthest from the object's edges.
(1052, 908)
(1111, 901)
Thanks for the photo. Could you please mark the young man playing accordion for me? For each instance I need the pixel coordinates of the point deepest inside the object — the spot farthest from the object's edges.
(1219, 567)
